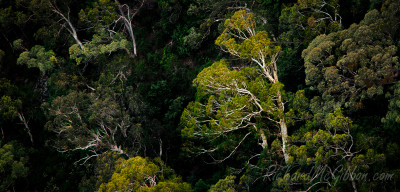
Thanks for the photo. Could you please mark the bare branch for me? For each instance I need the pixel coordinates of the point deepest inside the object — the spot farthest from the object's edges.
(126, 15)
(71, 29)
(23, 120)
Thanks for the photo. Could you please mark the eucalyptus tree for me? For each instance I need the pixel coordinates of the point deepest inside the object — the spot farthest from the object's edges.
(239, 102)
(96, 120)
(229, 103)
(241, 39)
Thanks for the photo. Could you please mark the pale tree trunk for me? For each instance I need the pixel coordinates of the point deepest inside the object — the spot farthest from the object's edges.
(264, 143)
(23, 120)
(283, 127)
(353, 183)
(284, 134)
(71, 29)
(268, 65)
(127, 17)
(281, 105)
(129, 28)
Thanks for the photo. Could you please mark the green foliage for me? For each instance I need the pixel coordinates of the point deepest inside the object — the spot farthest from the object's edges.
(9, 105)
(391, 14)
(18, 44)
(13, 160)
(224, 185)
(208, 15)
(97, 47)
(303, 21)
(95, 121)
(349, 66)
(140, 174)
(133, 173)
(100, 16)
(298, 108)
(201, 186)
(172, 185)
(228, 101)
(105, 105)
(64, 81)
(241, 39)
(337, 122)
(299, 24)
(11, 15)
(103, 170)
(193, 39)
(76, 104)
(392, 118)
(38, 57)
(332, 151)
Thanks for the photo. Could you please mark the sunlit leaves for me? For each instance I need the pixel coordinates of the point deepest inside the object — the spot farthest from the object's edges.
(298, 108)
(38, 57)
(242, 21)
(337, 122)
(228, 100)
(224, 185)
(258, 46)
(241, 39)
(140, 174)
(97, 47)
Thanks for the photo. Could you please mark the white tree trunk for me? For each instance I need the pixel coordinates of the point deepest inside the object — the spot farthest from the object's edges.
(71, 28)
(23, 120)
(283, 127)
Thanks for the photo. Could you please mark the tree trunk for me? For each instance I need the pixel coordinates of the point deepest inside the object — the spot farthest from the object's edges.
(71, 28)
(23, 120)
(283, 127)
(284, 134)
(353, 183)
(264, 143)
(128, 25)
(273, 72)
(130, 29)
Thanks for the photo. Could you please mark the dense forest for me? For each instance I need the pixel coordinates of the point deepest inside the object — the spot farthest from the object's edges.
(199, 95)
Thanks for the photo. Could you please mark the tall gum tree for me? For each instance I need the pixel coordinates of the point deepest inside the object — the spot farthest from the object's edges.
(241, 39)
(232, 104)
(239, 99)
